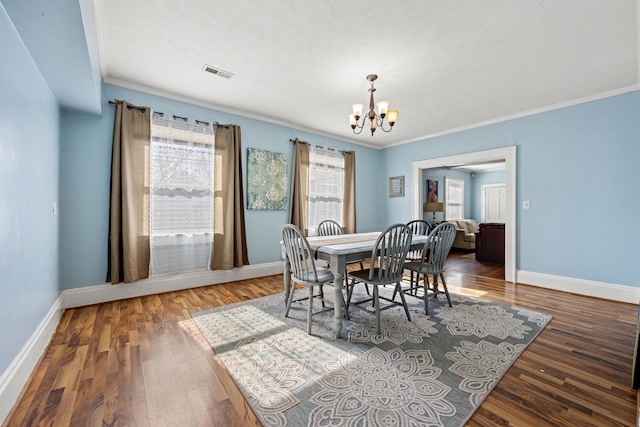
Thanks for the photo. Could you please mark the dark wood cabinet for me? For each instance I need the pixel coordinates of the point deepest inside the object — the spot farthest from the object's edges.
(490, 242)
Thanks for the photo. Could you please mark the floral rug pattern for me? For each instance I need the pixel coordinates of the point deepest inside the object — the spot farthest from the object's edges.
(433, 371)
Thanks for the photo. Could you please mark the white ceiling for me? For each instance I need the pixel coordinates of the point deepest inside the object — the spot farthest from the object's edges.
(445, 65)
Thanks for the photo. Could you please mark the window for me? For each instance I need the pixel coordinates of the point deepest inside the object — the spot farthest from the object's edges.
(181, 162)
(454, 198)
(326, 186)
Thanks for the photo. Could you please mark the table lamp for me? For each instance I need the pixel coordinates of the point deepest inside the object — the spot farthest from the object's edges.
(434, 207)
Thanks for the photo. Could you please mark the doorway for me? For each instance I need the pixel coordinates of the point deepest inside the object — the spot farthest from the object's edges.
(508, 155)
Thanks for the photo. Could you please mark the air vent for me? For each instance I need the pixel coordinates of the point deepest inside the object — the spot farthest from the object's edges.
(217, 71)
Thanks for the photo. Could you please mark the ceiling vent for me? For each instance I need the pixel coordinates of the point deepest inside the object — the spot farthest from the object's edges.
(217, 71)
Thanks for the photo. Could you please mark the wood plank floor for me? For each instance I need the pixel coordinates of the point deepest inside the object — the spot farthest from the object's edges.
(142, 362)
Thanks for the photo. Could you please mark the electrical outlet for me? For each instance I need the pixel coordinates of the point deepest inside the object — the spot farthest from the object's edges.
(526, 204)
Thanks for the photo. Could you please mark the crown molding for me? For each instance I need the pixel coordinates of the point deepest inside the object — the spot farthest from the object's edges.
(596, 97)
(218, 107)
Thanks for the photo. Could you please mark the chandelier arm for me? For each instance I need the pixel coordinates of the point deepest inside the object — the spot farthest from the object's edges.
(381, 126)
(358, 127)
(361, 125)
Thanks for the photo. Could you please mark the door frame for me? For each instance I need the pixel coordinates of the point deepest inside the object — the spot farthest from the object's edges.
(508, 154)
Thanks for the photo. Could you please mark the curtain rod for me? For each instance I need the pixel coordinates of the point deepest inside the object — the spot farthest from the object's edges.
(319, 146)
(143, 109)
(198, 122)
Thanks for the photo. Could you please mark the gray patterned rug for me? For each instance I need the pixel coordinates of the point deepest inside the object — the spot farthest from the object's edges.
(432, 371)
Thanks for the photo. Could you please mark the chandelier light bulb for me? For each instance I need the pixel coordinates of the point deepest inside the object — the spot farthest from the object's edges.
(357, 110)
(392, 117)
(383, 106)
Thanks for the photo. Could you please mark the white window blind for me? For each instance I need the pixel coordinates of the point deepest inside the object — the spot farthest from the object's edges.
(180, 195)
(454, 198)
(326, 186)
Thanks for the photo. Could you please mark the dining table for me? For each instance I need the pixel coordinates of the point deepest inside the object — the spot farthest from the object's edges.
(337, 251)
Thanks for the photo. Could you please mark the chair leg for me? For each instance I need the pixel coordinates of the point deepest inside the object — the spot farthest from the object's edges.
(321, 295)
(411, 288)
(396, 290)
(310, 310)
(291, 291)
(366, 286)
(404, 302)
(350, 293)
(376, 304)
(435, 287)
(446, 291)
(345, 308)
(426, 292)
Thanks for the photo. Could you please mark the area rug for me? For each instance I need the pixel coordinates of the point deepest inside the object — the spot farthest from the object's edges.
(432, 371)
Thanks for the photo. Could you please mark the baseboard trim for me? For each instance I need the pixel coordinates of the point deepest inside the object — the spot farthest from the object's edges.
(589, 288)
(17, 374)
(107, 292)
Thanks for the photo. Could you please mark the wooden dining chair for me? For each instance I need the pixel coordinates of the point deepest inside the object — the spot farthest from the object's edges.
(387, 266)
(435, 252)
(419, 226)
(422, 228)
(329, 227)
(304, 271)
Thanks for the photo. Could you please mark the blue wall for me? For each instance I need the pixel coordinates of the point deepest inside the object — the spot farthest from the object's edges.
(480, 179)
(438, 174)
(28, 187)
(85, 174)
(566, 157)
(566, 160)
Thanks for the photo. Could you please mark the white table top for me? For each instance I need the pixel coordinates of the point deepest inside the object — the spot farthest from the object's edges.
(358, 246)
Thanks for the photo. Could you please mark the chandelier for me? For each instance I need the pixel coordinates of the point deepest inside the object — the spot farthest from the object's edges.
(376, 120)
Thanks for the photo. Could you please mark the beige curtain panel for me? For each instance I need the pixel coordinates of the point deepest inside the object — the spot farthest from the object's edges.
(229, 235)
(299, 213)
(349, 200)
(129, 205)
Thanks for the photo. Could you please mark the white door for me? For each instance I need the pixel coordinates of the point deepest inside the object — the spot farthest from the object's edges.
(494, 202)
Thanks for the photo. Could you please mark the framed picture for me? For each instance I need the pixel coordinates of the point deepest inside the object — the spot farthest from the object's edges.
(266, 180)
(396, 186)
(432, 191)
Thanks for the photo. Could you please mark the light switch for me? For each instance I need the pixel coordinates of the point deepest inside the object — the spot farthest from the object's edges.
(526, 204)
(55, 208)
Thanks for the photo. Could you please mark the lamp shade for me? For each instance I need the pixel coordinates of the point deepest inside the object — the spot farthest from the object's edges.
(357, 110)
(392, 117)
(383, 107)
(434, 207)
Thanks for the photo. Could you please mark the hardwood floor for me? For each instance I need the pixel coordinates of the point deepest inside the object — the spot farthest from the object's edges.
(143, 362)
(465, 262)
